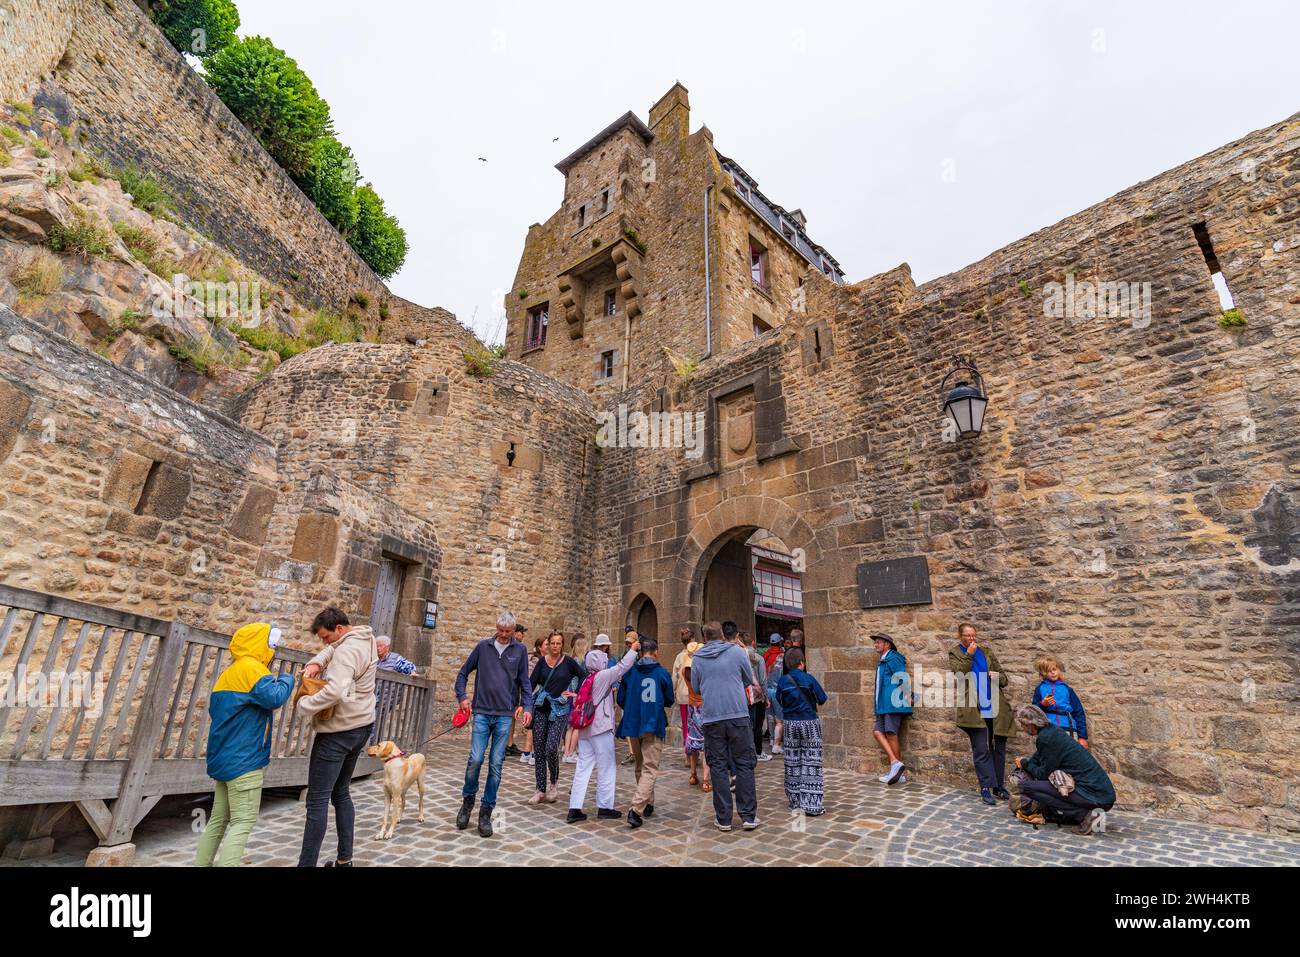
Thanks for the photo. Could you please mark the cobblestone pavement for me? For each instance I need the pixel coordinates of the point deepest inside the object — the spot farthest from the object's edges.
(866, 823)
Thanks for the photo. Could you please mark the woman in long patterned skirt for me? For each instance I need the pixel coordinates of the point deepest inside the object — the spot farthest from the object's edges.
(800, 696)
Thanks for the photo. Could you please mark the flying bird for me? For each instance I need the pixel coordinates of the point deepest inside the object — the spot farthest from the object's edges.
(482, 159)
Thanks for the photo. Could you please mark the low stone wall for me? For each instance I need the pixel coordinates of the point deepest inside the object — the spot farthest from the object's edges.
(118, 491)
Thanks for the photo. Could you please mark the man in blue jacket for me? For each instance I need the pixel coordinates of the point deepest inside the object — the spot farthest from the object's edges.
(502, 694)
(644, 695)
(243, 700)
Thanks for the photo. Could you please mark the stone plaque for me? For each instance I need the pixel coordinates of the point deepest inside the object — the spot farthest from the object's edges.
(895, 581)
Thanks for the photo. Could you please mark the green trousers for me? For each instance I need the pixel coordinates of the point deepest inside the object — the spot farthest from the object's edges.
(234, 812)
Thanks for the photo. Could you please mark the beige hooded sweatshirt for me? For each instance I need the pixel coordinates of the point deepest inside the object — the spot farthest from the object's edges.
(348, 667)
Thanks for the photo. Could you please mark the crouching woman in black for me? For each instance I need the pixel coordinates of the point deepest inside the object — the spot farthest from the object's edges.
(1055, 750)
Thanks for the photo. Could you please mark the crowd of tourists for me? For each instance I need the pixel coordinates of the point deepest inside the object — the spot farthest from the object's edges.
(739, 705)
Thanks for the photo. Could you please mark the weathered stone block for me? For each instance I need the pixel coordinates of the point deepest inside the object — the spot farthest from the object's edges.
(14, 406)
(125, 481)
(252, 519)
(165, 492)
(316, 538)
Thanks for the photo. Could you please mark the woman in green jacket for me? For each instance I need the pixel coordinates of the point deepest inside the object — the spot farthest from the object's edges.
(983, 710)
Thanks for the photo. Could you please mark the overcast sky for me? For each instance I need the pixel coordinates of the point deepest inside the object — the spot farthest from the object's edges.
(927, 134)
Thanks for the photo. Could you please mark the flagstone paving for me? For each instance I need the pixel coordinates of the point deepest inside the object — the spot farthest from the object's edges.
(866, 823)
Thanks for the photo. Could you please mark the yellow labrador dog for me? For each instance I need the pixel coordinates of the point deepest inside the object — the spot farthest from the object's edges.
(400, 772)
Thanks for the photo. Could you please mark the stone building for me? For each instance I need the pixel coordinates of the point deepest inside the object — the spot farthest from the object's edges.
(661, 245)
(1131, 505)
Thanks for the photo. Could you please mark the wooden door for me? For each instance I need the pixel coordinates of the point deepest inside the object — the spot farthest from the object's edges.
(387, 592)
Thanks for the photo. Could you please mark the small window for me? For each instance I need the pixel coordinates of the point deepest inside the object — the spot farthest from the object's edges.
(535, 333)
(741, 190)
(607, 199)
(611, 302)
(758, 264)
(607, 365)
(760, 327)
(787, 231)
(582, 216)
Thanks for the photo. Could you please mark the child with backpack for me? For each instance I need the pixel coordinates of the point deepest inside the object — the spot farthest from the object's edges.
(1058, 700)
(593, 715)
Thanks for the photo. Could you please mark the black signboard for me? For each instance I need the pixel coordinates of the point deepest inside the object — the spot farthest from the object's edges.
(895, 581)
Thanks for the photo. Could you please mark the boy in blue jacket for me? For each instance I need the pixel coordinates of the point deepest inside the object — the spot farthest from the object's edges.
(644, 695)
(893, 703)
(239, 741)
(1058, 700)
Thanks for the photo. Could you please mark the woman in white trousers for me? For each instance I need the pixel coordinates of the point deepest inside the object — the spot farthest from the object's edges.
(596, 741)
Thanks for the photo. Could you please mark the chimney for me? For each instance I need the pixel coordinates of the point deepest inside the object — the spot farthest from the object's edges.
(675, 107)
(798, 216)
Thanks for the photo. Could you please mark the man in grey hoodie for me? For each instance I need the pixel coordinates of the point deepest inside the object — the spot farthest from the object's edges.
(720, 672)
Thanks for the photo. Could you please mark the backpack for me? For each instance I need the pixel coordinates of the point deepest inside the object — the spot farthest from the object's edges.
(584, 707)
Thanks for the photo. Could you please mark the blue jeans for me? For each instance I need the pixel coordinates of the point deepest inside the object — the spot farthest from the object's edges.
(497, 727)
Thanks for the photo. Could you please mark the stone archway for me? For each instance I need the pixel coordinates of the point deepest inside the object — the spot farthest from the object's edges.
(724, 523)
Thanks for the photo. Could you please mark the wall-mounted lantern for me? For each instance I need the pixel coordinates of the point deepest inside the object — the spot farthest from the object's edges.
(966, 403)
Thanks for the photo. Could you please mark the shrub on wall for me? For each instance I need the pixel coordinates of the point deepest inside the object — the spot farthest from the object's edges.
(377, 237)
(331, 183)
(200, 27)
(264, 87)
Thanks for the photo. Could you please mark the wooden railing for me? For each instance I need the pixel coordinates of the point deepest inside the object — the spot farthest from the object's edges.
(105, 706)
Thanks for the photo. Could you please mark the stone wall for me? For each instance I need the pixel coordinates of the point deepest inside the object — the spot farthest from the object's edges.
(112, 76)
(32, 38)
(500, 466)
(1131, 505)
(120, 492)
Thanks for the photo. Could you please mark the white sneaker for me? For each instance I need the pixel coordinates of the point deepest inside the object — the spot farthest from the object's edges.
(750, 825)
(765, 757)
(884, 778)
(532, 761)
(570, 759)
(523, 759)
(902, 779)
(895, 769)
(776, 749)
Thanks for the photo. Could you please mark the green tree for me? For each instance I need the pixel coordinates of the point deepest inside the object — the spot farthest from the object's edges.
(272, 97)
(376, 237)
(331, 183)
(200, 27)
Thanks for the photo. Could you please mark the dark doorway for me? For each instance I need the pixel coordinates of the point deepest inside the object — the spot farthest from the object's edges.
(647, 620)
(751, 581)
